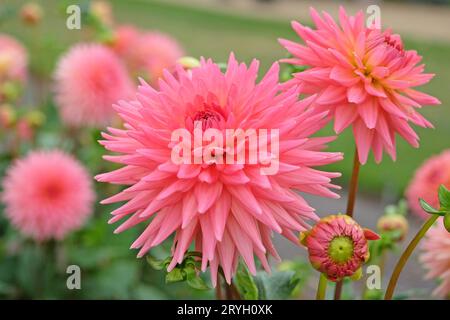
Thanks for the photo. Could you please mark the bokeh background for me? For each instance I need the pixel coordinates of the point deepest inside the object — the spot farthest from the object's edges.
(210, 28)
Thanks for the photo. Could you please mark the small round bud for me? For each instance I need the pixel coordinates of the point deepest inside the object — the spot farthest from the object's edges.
(102, 10)
(7, 116)
(338, 246)
(189, 62)
(393, 222)
(31, 13)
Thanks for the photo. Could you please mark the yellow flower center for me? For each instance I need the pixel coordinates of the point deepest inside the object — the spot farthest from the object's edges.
(341, 249)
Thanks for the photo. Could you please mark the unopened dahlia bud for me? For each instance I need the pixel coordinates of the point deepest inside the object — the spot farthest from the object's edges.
(102, 10)
(35, 118)
(7, 115)
(393, 223)
(31, 13)
(188, 62)
(338, 246)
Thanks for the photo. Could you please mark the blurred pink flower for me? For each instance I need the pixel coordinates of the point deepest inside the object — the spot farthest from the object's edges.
(364, 77)
(338, 246)
(436, 258)
(426, 181)
(228, 210)
(89, 79)
(146, 54)
(13, 60)
(47, 194)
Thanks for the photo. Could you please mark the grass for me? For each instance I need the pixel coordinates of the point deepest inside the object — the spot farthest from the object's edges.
(214, 34)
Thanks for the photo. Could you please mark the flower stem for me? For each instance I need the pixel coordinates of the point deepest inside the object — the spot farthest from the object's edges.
(350, 207)
(219, 294)
(322, 288)
(406, 254)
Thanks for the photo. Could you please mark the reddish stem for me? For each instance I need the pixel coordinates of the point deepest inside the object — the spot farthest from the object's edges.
(350, 208)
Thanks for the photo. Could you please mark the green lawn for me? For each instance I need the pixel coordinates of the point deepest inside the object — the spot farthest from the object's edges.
(212, 34)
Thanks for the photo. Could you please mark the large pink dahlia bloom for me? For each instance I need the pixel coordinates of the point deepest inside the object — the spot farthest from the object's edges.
(13, 60)
(47, 194)
(364, 77)
(436, 258)
(426, 181)
(89, 79)
(228, 210)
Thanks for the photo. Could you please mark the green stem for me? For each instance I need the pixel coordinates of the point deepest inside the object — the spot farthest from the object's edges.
(406, 254)
(350, 208)
(322, 288)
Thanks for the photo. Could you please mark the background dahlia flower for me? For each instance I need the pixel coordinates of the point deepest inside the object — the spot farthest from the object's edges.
(426, 181)
(13, 60)
(338, 246)
(47, 194)
(228, 210)
(436, 258)
(146, 54)
(364, 78)
(88, 80)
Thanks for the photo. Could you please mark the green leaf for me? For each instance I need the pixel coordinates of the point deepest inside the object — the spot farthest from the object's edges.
(155, 264)
(176, 275)
(428, 208)
(279, 285)
(197, 283)
(444, 198)
(246, 284)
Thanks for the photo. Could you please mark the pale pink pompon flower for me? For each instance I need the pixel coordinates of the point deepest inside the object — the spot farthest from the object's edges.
(88, 80)
(147, 54)
(13, 60)
(338, 246)
(364, 78)
(426, 181)
(435, 257)
(47, 194)
(227, 210)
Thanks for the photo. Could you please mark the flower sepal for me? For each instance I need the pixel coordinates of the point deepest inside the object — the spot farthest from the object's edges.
(444, 206)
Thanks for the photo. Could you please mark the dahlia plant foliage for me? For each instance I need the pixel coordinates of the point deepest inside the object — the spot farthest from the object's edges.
(207, 167)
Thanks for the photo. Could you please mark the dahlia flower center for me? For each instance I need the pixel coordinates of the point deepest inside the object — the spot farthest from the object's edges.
(341, 249)
(209, 119)
(51, 191)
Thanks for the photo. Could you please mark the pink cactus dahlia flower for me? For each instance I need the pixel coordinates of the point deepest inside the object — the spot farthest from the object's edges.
(13, 60)
(228, 210)
(47, 194)
(89, 79)
(426, 181)
(364, 78)
(337, 246)
(147, 54)
(436, 258)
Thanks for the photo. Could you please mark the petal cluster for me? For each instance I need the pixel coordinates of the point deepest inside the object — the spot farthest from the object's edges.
(227, 210)
(435, 257)
(337, 246)
(47, 194)
(364, 77)
(426, 181)
(88, 80)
